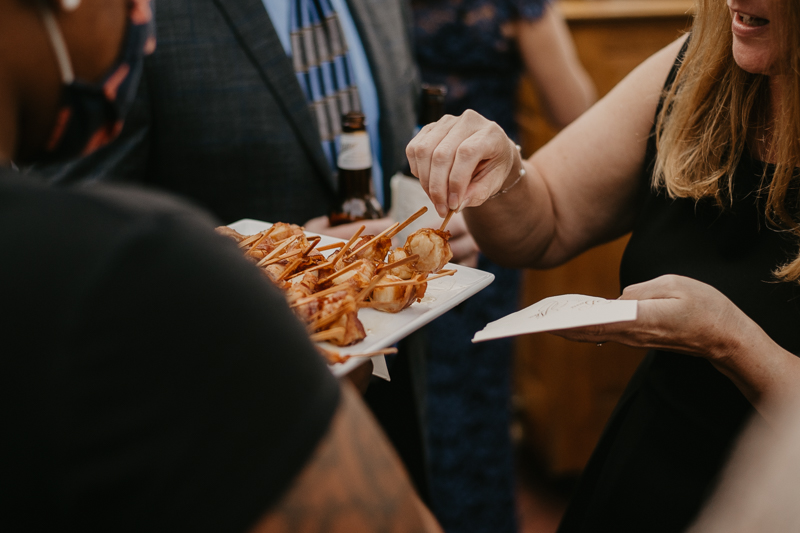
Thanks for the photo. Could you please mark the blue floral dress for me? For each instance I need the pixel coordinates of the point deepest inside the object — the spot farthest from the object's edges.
(464, 44)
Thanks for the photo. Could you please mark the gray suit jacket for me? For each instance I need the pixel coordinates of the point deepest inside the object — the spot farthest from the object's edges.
(221, 119)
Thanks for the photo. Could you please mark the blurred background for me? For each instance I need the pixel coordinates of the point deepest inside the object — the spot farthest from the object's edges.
(564, 392)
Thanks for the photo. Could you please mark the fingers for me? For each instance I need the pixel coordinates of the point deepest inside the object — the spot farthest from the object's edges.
(318, 224)
(667, 286)
(421, 148)
(674, 313)
(449, 155)
(482, 164)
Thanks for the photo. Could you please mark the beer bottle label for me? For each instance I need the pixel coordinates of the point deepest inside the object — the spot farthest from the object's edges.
(354, 151)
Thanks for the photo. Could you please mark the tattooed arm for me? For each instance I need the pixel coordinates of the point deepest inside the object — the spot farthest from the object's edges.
(353, 482)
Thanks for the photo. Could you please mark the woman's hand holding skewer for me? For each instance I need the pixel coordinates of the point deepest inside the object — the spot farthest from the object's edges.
(463, 161)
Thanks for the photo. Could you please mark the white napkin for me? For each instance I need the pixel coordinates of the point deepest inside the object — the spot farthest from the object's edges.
(379, 367)
(559, 312)
(407, 197)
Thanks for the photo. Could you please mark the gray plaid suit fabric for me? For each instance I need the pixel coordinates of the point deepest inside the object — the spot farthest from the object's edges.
(220, 117)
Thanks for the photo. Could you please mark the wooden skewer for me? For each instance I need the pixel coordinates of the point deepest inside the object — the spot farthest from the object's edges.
(332, 356)
(255, 244)
(400, 262)
(328, 334)
(314, 241)
(288, 238)
(250, 239)
(385, 351)
(372, 283)
(441, 274)
(255, 236)
(330, 246)
(330, 319)
(371, 305)
(399, 283)
(318, 295)
(348, 244)
(363, 303)
(282, 246)
(313, 318)
(374, 239)
(247, 240)
(447, 219)
(346, 269)
(412, 281)
(333, 317)
(409, 220)
(304, 253)
(290, 268)
(343, 358)
(416, 281)
(281, 258)
(311, 269)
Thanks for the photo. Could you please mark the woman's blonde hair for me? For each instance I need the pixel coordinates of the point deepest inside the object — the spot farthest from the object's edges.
(713, 105)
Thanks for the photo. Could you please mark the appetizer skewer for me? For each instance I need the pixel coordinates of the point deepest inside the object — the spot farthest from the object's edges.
(363, 272)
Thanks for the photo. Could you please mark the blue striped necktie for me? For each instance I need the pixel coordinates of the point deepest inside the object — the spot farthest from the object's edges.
(322, 65)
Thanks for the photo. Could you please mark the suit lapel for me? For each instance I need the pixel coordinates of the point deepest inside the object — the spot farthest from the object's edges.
(251, 25)
(382, 28)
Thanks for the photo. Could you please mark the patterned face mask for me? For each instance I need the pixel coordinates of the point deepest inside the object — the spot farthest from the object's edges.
(91, 115)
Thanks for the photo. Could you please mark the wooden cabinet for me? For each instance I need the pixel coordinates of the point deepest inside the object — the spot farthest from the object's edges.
(566, 391)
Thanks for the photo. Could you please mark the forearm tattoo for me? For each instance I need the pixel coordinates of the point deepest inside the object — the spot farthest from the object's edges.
(353, 482)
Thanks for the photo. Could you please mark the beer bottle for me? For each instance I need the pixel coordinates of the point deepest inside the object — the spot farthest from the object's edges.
(407, 193)
(431, 106)
(431, 109)
(357, 199)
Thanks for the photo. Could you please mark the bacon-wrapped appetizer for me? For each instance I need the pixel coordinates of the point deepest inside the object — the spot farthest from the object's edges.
(432, 247)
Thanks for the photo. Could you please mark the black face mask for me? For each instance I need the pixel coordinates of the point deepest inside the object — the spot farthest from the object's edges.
(91, 115)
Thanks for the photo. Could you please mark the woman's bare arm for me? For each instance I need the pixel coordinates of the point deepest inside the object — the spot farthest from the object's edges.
(354, 482)
(580, 189)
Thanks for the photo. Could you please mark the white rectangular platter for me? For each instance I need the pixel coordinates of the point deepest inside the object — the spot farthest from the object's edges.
(385, 329)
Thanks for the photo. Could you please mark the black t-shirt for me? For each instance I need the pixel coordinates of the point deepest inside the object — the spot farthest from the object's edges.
(150, 378)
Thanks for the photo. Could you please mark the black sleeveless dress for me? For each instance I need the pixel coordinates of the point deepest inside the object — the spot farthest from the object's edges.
(672, 431)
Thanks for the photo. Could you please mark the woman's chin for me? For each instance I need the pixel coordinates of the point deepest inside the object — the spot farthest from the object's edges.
(752, 59)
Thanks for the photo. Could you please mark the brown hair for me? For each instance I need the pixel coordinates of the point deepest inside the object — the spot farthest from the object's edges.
(714, 107)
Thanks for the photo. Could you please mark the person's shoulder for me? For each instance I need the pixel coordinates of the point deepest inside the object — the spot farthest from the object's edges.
(92, 205)
(87, 226)
(132, 201)
(674, 51)
(648, 79)
(148, 307)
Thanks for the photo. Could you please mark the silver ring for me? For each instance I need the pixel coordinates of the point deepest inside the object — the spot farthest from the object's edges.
(600, 344)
